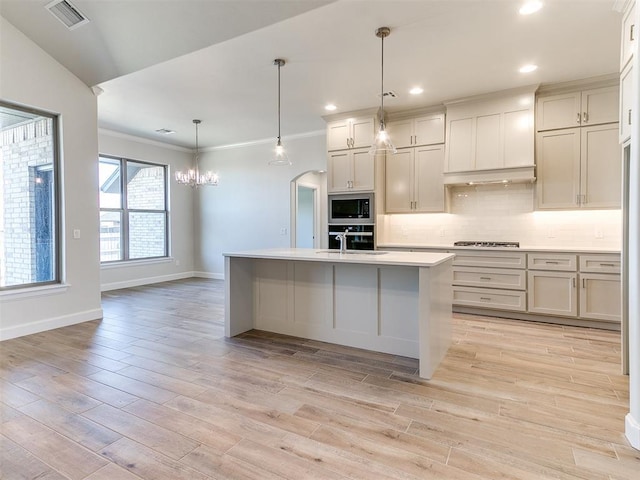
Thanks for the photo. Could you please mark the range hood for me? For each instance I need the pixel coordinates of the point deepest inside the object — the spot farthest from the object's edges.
(524, 174)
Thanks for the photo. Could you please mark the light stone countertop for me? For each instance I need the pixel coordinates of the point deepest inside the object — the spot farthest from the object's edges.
(523, 248)
(378, 257)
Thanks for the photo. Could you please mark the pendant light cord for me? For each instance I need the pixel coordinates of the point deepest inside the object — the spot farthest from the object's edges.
(279, 64)
(382, 80)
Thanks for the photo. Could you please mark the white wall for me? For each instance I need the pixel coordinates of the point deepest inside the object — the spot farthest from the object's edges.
(499, 213)
(30, 77)
(181, 203)
(251, 205)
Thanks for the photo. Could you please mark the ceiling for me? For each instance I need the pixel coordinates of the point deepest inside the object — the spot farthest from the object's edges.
(162, 63)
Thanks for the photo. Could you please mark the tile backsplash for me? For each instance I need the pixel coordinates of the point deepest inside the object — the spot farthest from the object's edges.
(504, 213)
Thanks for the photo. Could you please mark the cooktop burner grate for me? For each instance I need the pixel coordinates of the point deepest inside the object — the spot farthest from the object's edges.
(486, 244)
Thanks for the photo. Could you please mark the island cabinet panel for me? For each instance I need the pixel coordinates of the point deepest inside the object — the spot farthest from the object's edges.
(355, 297)
(399, 307)
(312, 297)
(271, 294)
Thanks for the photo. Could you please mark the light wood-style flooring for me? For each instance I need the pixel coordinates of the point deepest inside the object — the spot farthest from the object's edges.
(155, 391)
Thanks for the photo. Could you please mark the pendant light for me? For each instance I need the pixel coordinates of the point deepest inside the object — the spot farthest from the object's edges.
(280, 157)
(193, 177)
(382, 142)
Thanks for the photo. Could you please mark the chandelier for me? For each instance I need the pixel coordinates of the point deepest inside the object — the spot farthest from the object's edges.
(382, 142)
(193, 177)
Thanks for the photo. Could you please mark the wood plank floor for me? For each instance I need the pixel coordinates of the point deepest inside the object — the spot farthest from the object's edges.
(155, 391)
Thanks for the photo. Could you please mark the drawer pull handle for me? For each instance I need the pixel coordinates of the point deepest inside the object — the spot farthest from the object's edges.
(488, 299)
(584, 283)
(485, 278)
(631, 33)
(549, 262)
(607, 265)
(573, 282)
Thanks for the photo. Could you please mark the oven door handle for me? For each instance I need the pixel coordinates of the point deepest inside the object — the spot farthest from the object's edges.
(353, 234)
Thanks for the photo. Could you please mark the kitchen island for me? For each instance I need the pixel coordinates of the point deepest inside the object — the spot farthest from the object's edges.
(391, 302)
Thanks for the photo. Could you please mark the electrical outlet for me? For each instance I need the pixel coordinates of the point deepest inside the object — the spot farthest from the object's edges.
(283, 231)
(551, 233)
(441, 232)
(177, 263)
(76, 233)
(599, 234)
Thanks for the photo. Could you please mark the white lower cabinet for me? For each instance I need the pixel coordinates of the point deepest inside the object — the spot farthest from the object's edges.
(553, 293)
(600, 296)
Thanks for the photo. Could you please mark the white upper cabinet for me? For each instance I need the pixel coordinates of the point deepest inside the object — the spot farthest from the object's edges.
(627, 103)
(579, 168)
(575, 109)
(629, 35)
(414, 180)
(350, 133)
(350, 171)
(491, 134)
(424, 130)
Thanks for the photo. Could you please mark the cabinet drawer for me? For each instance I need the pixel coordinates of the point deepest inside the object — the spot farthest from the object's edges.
(552, 261)
(489, 259)
(600, 263)
(489, 298)
(493, 278)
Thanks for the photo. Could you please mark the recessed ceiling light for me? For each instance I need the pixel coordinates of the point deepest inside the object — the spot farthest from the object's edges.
(416, 91)
(530, 7)
(331, 107)
(528, 68)
(165, 131)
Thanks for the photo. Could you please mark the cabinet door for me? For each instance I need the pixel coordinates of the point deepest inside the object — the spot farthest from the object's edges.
(626, 102)
(600, 296)
(362, 132)
(339, 177)
(401, 132)
(629, 33)
(429, 130)
(599, 106)
(429, 182)
(363, 170)
(552, 293)
(489, 153)
(558, 168)
(460, 150)
(399, 181)
(518, 138)
(558, 111)
(601, 176)
(338, 135)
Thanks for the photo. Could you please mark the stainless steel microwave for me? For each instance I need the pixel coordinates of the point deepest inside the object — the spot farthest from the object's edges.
(351, 208)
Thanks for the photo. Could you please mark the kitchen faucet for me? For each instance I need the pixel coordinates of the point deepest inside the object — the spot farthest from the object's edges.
(342, 238)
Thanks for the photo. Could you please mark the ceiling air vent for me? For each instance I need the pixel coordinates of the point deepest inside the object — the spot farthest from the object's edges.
(389, 94)
(67, 13)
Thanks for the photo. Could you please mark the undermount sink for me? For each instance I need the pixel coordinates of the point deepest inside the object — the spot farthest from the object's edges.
(354, 252)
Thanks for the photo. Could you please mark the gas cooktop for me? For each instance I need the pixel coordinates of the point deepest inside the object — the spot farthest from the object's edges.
(486, 244)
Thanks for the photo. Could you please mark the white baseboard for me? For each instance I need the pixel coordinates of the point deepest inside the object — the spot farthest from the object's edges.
(213, 276)
(632, 431)
(49, 324)
(136, 282)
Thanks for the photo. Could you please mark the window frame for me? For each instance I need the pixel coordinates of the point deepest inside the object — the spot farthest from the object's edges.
(57, 197)
(124, 210)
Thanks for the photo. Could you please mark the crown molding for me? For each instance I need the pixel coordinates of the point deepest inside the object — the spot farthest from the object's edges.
(133, 138)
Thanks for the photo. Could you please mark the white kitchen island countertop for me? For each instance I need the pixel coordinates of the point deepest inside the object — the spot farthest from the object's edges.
(368, 257)
(392, 302)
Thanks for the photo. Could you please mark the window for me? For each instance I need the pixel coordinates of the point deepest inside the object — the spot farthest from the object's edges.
(29, 198)
(133, 210)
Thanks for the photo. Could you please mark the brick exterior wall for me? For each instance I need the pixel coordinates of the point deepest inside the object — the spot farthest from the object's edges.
(22, 149)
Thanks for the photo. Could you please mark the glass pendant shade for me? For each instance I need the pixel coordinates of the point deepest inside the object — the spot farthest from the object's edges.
(382, 142)
(192, 177)
(280, 157)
